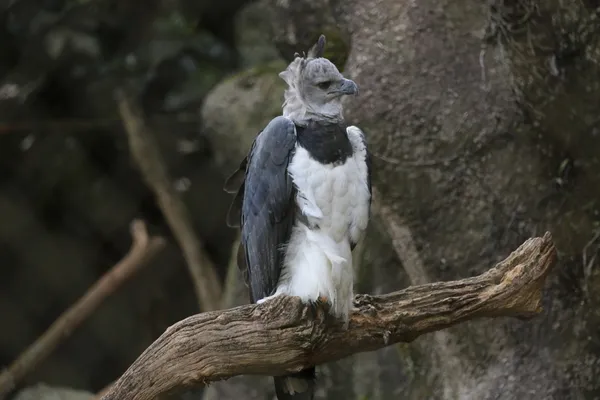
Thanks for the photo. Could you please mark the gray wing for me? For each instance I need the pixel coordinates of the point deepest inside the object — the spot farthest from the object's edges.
(268, 209)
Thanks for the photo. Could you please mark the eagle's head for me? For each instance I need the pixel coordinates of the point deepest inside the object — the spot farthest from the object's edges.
(315, 87)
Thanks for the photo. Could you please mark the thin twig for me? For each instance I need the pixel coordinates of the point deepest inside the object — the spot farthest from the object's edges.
(282, 335)
(142, 250)
(149, 159)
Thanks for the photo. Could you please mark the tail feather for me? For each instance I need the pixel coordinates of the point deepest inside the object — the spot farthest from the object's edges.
(298, 386)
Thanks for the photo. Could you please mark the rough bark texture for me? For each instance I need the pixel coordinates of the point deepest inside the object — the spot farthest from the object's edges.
(475, 143)
(283, 335)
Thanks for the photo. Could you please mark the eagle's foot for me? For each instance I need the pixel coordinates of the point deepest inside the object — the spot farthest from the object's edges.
(319, 308)
(323, 305)
(323, 301)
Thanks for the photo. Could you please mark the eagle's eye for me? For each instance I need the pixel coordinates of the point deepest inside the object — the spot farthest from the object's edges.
(324, 85)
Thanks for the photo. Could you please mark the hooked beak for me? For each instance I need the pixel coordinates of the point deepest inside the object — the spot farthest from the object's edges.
(348, 87)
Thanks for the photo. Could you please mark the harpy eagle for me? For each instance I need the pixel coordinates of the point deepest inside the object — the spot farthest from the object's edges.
(303, 197)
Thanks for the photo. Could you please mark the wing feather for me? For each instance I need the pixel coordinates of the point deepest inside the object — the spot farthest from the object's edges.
(235, 180)
(265, 200)
(234, 214)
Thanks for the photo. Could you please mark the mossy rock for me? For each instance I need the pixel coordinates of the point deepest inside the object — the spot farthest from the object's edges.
(239, 107)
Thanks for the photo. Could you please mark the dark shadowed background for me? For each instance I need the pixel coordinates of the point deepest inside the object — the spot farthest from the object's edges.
(483, 120)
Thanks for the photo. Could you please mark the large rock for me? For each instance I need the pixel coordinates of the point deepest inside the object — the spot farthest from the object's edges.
(239, 108)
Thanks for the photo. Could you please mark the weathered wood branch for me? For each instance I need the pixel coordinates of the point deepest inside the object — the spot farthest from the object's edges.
(149, 159)
(142, 250)
(282, 335)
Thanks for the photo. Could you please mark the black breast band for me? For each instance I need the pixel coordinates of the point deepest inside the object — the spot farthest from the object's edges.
(326, 143)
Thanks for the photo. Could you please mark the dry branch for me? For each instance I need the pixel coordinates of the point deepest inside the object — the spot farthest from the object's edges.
(149, 159)
(142, 250)
(282, 335)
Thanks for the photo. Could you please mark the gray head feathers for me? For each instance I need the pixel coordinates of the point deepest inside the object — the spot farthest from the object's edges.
(315, 87)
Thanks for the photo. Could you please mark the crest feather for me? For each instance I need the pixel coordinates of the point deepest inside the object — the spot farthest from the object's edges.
(318, 49)
(293, 71)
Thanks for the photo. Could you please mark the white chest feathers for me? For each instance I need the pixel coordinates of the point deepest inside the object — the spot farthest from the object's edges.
(335, 200)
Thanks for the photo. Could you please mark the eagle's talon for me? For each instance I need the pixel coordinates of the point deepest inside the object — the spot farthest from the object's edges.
(319, 308)
(313, 310)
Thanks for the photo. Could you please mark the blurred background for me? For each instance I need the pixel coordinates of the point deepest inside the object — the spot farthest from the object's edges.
(483, 120)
